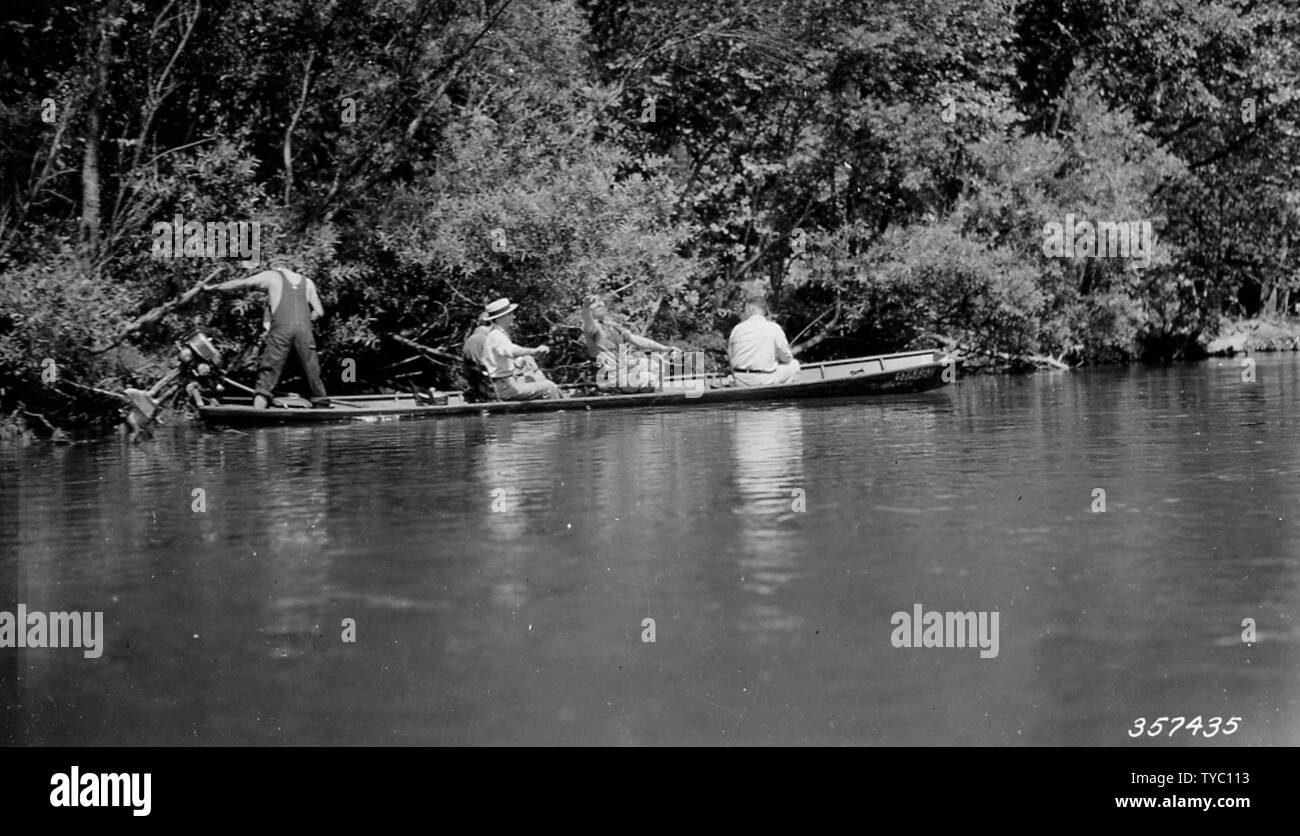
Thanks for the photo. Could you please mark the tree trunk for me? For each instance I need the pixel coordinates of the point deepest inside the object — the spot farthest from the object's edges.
(90, 176)
(287, 147)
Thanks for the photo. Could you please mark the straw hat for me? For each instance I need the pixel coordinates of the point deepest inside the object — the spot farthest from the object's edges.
(497, 309)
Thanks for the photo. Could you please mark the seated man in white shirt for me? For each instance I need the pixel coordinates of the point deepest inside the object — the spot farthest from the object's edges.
(479, 385)
(498, 354)
(758, 350)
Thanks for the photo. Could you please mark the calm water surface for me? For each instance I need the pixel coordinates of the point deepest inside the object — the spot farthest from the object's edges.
(499, 570)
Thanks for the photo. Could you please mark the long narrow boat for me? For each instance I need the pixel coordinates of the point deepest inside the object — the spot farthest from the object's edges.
(914, 371)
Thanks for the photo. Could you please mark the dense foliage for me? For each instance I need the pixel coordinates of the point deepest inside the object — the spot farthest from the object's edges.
(884, 172)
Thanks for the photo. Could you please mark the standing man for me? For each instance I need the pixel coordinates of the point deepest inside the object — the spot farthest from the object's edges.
(293, 305)
(499, 353)
(759, 352)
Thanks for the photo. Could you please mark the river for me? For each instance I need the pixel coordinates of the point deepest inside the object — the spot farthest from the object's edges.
(504, 575)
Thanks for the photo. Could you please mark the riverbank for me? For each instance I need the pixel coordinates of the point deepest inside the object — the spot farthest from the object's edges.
(1243, 336)
(22, 427)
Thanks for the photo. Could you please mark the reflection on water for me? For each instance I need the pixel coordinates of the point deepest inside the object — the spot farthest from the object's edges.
(768, 488)
(499, 571)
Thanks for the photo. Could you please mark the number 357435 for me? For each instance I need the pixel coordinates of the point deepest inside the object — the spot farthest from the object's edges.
(1208, 728)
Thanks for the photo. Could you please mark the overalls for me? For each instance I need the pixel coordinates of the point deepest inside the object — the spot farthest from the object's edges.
(291, 329)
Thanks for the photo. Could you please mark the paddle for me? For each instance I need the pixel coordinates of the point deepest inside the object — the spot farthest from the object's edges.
(253, 392)
(238, 385)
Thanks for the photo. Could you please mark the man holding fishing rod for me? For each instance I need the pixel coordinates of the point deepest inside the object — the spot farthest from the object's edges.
(621, 365)
(293, 304)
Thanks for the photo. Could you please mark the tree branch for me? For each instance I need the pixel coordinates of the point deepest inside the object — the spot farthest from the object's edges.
(157, 313)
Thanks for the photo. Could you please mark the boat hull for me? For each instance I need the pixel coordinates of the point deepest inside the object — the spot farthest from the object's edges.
(886, 374)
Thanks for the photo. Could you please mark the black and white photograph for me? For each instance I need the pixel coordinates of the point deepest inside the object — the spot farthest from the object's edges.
(648, 373)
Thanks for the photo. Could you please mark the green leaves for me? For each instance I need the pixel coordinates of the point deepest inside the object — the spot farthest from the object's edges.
(671, 151)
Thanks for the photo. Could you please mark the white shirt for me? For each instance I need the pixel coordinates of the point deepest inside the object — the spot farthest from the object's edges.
(758, 344)
(473, 348)
(499, 353)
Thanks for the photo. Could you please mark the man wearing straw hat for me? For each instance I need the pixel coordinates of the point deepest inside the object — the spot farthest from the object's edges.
(499, 353)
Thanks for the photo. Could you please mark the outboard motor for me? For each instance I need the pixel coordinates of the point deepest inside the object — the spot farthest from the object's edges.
(196, 358)
(200, 351)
